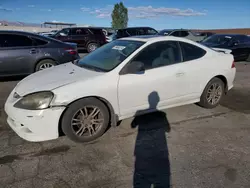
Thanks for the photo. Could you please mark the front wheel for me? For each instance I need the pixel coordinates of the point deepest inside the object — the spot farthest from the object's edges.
(212, 94)
(45, 64)
(85, 120)
(92, 47)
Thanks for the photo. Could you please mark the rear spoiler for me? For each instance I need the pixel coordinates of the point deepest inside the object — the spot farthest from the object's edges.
(226, 51)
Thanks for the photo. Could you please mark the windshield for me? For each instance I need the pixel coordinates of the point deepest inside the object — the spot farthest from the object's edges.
(218, 39)
(110, 55)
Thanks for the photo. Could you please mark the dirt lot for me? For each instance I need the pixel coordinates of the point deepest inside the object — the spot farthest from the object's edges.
(197, 148)
(245, 31)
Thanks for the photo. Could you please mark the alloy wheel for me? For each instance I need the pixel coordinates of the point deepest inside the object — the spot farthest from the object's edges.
(214, 93)
(45, 66)
(87, 121)
(92, 47)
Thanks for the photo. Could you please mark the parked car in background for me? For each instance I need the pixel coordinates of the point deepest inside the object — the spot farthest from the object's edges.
(239, 44)
(206, 34)
(182, 33)
(134, 31)
(22, 53)
(86, 38)
(47, 34)
(111, 37)
(109, 34)
(125, 78)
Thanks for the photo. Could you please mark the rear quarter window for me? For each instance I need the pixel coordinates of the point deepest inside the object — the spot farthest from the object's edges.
(96, 31)
(39, 42)
(191, 52)
(15, 40)
(132, 32)
(78, 31)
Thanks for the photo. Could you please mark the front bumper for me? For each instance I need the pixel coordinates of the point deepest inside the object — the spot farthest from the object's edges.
(33, 125)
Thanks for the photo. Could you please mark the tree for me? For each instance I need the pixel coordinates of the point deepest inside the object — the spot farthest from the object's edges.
(119, 16)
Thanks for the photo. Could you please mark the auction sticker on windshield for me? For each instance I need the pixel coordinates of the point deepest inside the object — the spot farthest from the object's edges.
(118, 47)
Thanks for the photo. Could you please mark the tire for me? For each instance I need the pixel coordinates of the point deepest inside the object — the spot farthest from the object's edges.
(204, 100)
(92, 47)
(44, 64)
(74, 130)
(248, 58)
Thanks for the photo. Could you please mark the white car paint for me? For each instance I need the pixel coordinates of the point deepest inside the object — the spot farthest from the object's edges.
(176, 84)
(222, 50)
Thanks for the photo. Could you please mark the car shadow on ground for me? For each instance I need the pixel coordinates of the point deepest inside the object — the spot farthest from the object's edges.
(152, 167)
(11, 78)
(82, 51)
(238, 100)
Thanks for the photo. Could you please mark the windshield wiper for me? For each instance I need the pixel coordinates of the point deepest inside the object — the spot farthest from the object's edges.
(97, 69)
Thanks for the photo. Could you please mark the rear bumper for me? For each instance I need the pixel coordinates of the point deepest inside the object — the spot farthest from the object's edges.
(69, 59)
(230, 78)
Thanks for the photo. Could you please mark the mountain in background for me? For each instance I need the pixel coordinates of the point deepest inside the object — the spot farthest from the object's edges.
(24, 24)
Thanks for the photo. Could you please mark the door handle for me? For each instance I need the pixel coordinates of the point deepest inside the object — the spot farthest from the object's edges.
(180, 74)
(33, 51)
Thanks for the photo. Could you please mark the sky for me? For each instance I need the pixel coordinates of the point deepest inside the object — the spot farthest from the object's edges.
(159, 14)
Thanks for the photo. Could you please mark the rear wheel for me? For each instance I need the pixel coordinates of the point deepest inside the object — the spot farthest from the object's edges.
(213, 93)
(92, 47)
(85, 120)
(44, 64)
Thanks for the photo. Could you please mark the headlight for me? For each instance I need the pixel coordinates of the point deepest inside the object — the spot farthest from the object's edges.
(35, 101)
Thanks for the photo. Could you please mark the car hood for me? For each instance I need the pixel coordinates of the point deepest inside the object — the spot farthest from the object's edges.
(53, 78)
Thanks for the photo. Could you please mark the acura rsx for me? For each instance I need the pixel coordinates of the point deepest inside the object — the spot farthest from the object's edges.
(124, 78)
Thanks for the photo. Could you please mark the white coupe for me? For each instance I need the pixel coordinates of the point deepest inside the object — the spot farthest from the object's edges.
(121, 79)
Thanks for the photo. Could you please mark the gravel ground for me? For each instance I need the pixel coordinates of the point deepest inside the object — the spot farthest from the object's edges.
(195, 147)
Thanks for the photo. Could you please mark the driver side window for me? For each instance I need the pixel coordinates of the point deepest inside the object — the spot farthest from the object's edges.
(175, 33)
(159, 54)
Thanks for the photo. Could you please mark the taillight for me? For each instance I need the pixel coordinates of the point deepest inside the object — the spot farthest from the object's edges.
(71, 51)
(104, 38)
(233, 65)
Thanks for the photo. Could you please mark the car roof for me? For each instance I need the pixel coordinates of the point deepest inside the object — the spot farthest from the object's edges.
(154, 38)
(22, 33)
(16, 32)
(25, 33)
(83, 28)
(231, 35)
(136, 28)
(175, 30)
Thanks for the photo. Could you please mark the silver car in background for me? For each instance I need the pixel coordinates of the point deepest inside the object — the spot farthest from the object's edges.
(182, 33)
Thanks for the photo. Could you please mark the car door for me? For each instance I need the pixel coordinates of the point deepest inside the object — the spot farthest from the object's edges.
(80, 37)
(196, 68)
(17, 54)
(162, 76)
(240, 47)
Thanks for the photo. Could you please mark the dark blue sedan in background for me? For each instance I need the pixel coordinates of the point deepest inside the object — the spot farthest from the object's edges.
(22, 53)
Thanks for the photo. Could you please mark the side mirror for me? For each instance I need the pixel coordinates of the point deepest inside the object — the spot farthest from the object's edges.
(235, 43)
(135, 67)
(62, 34)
